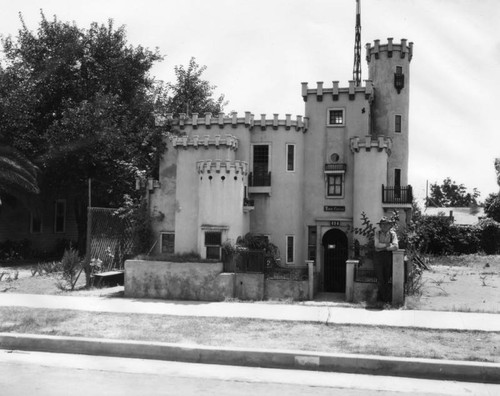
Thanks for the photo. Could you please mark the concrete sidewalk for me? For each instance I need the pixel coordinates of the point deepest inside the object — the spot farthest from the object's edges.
(303, 312)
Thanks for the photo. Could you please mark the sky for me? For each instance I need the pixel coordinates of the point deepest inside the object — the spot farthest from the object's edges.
(258, 52)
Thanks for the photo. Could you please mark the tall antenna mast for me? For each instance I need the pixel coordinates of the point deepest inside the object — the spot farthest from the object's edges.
(356, 70)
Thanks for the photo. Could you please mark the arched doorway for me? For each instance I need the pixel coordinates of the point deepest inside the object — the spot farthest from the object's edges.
(335, 251)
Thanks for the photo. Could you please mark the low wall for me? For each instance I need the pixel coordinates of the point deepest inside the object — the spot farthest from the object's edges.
(177, 281)
(277, 289)
(204, 282)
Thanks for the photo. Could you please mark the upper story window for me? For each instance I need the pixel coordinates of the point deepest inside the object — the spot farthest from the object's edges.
(290, 157)
(60, 216)
(261, 159)
(336, 117)
(397, 123)
(334, 185)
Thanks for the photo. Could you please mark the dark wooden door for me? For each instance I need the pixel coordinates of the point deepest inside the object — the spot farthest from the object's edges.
(335, 252)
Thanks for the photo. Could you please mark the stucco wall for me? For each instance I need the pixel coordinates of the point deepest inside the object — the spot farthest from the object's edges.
(284, 289)
(249, 286)
(177, 281)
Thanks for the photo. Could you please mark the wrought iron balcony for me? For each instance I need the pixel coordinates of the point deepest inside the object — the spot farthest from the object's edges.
(335, 167)
(397, 194)
(259, 179)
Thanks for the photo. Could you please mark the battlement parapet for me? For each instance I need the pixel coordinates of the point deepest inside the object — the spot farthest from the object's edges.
(335, 91)
(402, 50)
(222, 166)
(381, 143)
(232, 120)
(229, 141)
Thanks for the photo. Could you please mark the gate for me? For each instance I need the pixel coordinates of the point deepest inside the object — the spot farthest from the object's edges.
(111, 239)
(335, 248)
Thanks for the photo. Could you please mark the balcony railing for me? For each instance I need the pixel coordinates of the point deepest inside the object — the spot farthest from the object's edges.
(397, 194)
(335, 167)
(259, 179)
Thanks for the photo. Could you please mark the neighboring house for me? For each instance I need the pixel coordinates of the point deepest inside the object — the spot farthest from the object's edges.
(458, 216)
(47, 228)
(303, 182)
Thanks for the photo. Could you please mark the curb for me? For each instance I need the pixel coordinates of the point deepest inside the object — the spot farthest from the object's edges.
(284, 359)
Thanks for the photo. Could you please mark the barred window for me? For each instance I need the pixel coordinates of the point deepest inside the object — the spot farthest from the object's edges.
(397, 123)
(336, 117)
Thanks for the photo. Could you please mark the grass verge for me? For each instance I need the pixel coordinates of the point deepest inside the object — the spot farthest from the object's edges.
(250, 333)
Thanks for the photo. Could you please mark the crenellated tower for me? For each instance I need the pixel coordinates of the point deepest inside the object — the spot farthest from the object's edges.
(389, 70)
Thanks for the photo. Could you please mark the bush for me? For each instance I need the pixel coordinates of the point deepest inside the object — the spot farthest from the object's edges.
(70, 265)
(15, 250)
(490, 236)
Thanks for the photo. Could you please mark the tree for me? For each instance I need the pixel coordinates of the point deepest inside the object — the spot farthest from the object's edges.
(18, 176)
(80, 104)
(492, 207)
(450, 194)
(191, 94)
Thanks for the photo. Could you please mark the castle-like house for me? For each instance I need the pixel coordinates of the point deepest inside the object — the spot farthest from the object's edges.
(303, 182)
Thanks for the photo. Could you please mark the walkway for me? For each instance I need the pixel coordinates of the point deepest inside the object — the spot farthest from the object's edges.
(304, 312)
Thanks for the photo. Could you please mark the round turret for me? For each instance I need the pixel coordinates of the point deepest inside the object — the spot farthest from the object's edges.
(389, 70)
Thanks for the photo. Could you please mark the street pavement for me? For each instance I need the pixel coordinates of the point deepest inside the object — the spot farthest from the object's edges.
(303, 360)
(49, 374)
(304, 312)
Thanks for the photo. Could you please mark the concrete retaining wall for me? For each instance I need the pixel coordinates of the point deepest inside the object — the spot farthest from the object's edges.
(177, 281)
(284, 289)
(204, 282)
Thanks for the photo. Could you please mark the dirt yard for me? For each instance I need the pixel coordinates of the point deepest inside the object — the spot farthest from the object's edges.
(464, 283)
(461, 283)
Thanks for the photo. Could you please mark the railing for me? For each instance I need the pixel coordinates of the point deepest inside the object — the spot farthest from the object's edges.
(335, 167)
(397, 194)
(259, 179)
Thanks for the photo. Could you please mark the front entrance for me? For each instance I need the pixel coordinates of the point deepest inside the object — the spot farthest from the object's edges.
(335, 252)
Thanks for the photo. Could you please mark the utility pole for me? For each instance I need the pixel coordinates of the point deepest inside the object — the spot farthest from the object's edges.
(356, 70)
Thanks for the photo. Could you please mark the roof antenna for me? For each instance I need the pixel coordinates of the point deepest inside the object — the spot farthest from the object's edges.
(356, 70)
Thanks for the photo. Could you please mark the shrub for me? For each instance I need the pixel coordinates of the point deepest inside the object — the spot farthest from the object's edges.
(490, 236)
(70, 266)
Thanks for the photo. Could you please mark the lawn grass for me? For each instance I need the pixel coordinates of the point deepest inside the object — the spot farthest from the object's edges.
(251, 333)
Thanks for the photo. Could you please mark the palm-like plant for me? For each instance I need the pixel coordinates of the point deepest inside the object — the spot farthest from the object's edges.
(18, 176)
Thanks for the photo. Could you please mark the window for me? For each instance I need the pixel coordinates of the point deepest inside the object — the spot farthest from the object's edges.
(397, 123)
(260, 171)
(311, 242)
(60, 216)
(167, 242)
(35, 223)
(334, 185)
(397, 183)
(335, 117)
(399, 70)
(290, 157)
(213, 242)
(290, 249)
